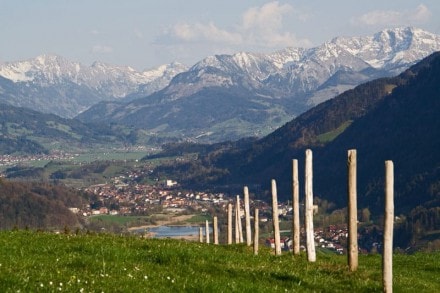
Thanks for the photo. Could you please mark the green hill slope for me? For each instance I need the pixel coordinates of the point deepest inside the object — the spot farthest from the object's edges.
(40, 262)
(24, 131)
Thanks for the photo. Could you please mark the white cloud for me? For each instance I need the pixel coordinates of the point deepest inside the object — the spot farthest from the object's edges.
(102, 49)
(260, 27)
(421, 14)
(267, 17)
(264, 25)
(204, 32)
(392, 18)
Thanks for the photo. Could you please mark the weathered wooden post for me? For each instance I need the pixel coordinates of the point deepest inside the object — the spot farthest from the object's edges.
(215, 224)
(276, 224)
(200, 234)
(229, 223)
(207, 231)
(311, 254)
(387, 256)
(247, 216)
(352, 212)
(237, 232)
(240, 227)
(295, 206)
(256, 231)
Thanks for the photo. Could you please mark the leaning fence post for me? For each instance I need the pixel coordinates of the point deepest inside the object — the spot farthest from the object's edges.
(352, 212)
(247, 216)
(229, 223)
(387, 256)
(200, 234)
(256, 231)
(295, 207)
(215, 224)
(276, 224)
(311, 254)
(207, 231)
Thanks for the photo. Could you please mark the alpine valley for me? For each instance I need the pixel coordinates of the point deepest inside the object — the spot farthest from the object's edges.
(394, 118)
(222, 97)
(378, 94)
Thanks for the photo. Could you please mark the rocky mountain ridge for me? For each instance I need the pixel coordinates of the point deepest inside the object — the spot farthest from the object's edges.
(288, 82)
(222, 97)
(38, 82)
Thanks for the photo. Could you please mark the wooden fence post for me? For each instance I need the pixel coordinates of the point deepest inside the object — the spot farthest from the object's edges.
(311, 254)
(207, 231)
(387, 256)
(237, 232)
(229, 223)
(352, 212)
(295, 206)
(215, 224)
(276, 224)
(247, 216)
(256, 231)
(200, 234)
(240, 227)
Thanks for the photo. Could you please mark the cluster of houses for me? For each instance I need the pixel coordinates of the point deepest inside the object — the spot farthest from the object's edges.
(330, 238)
(119, 197)
(11, 160)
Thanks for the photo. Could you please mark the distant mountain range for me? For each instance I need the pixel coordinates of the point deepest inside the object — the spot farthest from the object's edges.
(385, 119)
(53, 84)
(248, 94)
(222, 97)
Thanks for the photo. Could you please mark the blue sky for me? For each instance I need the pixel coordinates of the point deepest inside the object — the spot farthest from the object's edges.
(144, 34)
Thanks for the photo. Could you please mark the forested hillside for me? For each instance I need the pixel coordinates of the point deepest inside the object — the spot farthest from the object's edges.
(24, 131)
(38, 205)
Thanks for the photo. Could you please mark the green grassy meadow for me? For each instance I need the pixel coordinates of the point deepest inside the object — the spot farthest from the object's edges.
(46, 262)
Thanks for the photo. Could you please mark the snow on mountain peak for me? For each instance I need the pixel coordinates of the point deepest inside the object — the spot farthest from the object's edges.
(109, 80)
(286, 73)
(390, 47)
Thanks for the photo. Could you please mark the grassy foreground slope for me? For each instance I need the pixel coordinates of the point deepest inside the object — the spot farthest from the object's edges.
(43, 262)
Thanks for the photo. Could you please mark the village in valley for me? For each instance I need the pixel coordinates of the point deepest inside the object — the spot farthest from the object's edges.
(129, 194)
(124, 196)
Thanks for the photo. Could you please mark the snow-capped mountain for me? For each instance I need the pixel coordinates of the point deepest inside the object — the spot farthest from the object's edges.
(74, 85)
(294, 71)
(224, 94)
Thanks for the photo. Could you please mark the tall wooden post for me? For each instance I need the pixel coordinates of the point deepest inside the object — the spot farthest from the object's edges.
(352, 212)
(276, 224)
(200, 234)
(247, 215)
(207, 231)
(256, 231)
(311, 254)
(240, 227)
(229, 223)
(387, 256)
(237, 233)
(215, 224)
(295, 206)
